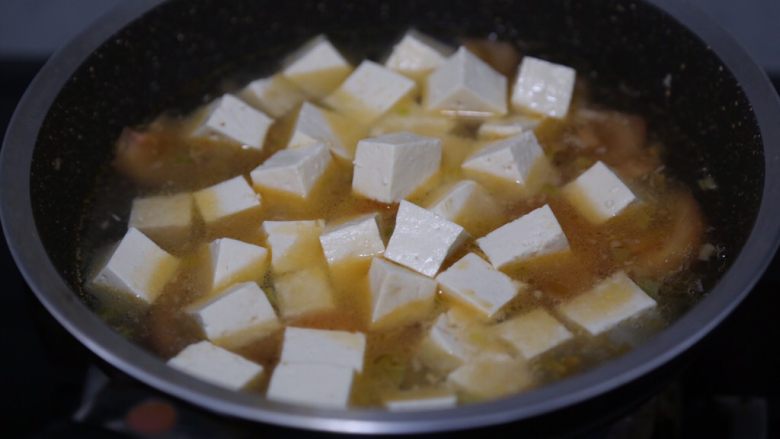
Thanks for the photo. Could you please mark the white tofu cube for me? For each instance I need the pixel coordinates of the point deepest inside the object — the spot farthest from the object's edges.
(227, 200)
(234, 261)
(294, 171)
(316, 125)
(518, 160)
(303, 292)
(390, 167)
(294, 244)
(491, 375)
(164, 217)
(358, 238)
(274, 95)
(370, 91)
(533, 333)
(448, 344)
(609, 303)
(475, 283)
(234, 120)
(398, 294)
(137, 268)
(308, 384)
(598, 194)
(465, 203)
(317, 68)
(543, 87)
(466, 85)
(422, 240)
(508, 127)
(534, 234)
(218, 366)
(421, 399)
(417, 55)
(413, 119)
(321, 346)
(240, 315)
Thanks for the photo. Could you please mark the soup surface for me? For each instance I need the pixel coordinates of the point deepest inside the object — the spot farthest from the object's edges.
(532, 241)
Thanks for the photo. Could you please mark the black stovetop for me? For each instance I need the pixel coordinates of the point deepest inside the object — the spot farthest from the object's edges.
(53, 387)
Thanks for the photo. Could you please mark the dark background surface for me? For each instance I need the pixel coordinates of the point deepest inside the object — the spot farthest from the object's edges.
(730, 389)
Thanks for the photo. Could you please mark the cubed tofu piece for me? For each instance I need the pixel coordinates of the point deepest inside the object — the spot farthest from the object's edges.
(598, 194)
(448, 344)
(398, 295)
(234, 120)
(533, 333)
(507, 127)
(609, 303)
(466, 85)
(234, 261)
(371, 91)
(227, 200)
(422, 240)
(305, 291)
(466, 203)
(311, 384)
(543, 88)
(274, 95)
(316, 125)
(164, 218)
(137, 268)
(491, 375)
(294, 244)
(322, 346)
(475, 283)
(218, 366)
(317, 68)
(534, 234)
(390, 167)
(519, 160)
(421, 399)
(415, 119)
(240, 315)
(294, 171)
(417, 55)
(358, 238)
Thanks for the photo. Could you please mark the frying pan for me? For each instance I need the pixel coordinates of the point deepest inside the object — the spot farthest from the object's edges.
(709, 103)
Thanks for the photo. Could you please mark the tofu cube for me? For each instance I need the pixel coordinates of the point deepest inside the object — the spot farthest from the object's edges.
(164, 218)
(317, 68)
(234, 120)
(240, 315)
(311, 384)
(415, 119)
(614, 300)
(534, 234)
(598, 194)
(447, 345)
(417, 55)
(294, 244)
(390, 167)
(369, 92)
(466, 85)
(303, 292)
(543, 88)
(519, 160)
(358, 238)
(227, 200)
(322, 346)
(316, 125)
(533, 333)
(422, 240)
(475, 283)
(421, 399)
(466, 203)
(508, 127)
(491, 375)
(218, 366)
(293, 171)
(137, 268)
(274, 95)
(234, 261)
(398, 295)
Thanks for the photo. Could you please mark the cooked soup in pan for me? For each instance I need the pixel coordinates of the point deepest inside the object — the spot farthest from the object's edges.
(451, 225)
